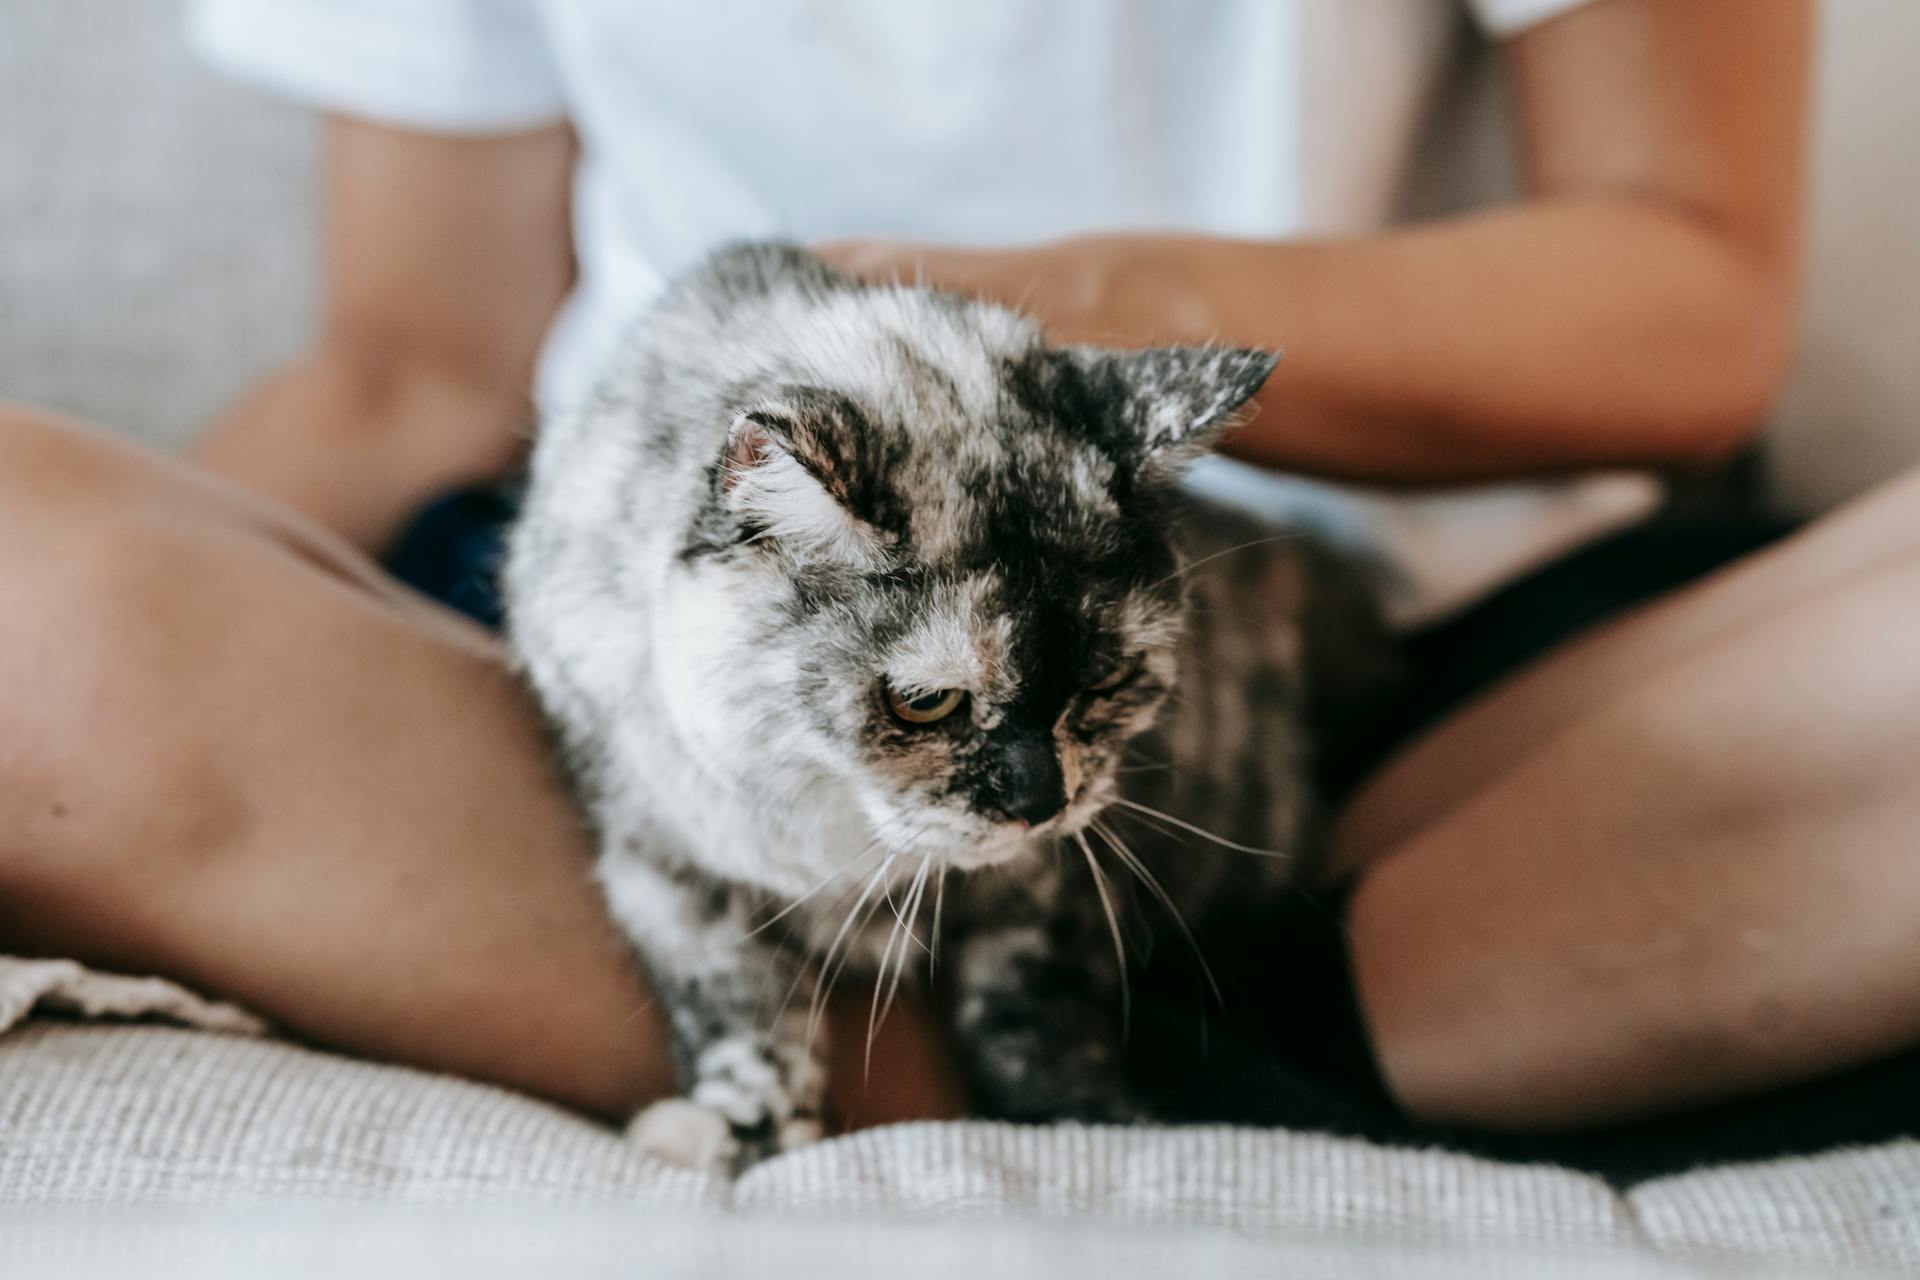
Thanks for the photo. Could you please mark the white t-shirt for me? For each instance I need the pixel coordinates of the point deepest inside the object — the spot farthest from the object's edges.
(970, 122)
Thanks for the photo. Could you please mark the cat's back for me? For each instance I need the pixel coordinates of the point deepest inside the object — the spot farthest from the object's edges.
(1285, 650)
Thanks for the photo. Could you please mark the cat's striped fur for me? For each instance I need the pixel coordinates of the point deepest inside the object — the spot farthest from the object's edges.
(798, 503)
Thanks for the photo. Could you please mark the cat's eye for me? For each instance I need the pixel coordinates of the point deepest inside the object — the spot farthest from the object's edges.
(928, 708)
(1120, 673)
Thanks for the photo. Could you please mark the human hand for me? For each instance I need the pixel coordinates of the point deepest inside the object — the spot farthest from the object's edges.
(1056, 283)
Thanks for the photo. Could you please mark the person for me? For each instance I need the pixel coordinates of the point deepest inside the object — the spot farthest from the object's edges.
(1666, 863)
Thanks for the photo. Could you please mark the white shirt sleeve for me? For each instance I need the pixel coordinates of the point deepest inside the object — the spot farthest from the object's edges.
(445, 65)
(1501, 18)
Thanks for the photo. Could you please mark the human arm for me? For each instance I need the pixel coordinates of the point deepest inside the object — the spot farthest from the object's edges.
(445, 259)
(1634, 306)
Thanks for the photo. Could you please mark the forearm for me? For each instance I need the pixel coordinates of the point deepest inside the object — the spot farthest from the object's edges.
(1539, 337)
(359, 443)
(1544, 336)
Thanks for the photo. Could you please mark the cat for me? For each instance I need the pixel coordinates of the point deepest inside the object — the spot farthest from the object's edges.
(857, 613)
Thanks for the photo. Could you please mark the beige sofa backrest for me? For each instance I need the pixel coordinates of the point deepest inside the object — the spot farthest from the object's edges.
(1852, 413)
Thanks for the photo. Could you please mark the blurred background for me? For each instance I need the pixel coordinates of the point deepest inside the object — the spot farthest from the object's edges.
(157, 228)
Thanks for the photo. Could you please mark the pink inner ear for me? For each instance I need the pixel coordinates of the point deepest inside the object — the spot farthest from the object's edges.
(747, 450)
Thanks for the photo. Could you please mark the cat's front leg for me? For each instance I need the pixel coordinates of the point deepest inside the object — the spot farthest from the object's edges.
(738, 1011)
(1038, 1002)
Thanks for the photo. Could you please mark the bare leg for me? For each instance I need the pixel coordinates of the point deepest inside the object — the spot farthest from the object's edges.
(1673, 863)
(233, 753)
(1448, 766)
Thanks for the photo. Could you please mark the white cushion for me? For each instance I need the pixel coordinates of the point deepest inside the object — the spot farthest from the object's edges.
(109, 1117)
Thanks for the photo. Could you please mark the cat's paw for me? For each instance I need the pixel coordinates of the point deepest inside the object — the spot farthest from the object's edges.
(686, 1133)
(801, 1131)
(694, 1135)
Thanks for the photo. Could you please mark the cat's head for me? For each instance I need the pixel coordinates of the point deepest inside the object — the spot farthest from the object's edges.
(934, 557)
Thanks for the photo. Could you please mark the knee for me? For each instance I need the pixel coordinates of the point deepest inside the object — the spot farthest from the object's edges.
(1419, 999)
(97, 668)
(80, 516)
(39, 450)
(57, 480)
(65, 538)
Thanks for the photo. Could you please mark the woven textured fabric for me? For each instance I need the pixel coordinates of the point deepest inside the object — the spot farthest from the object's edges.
(370, 1243)
(1854, 1208)
(61, 986)
(214, 1113)
(158, 255)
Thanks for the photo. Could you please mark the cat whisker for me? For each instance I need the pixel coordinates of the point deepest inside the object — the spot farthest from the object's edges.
(1202, 832)
(873, 1010)
(638, 1011)
(1191, 565)
(880, 835)
(807, 963)
(1152, 824)
(939, 909)
(1289, 887)
(906, 921)
(828, 970)
(1113, 927)
(1152, 882)
(810, 894)
(1026, 295)
(832, 979)
(878, 1014)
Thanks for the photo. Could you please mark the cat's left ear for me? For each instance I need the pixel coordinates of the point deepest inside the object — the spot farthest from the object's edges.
(797, 471)
(1174, 402)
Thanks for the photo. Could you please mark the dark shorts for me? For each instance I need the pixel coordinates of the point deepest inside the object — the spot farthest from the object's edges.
(1288, 1048)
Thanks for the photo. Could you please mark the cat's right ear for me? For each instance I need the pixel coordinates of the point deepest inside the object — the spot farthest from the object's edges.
(786, 481)
(1171, 404)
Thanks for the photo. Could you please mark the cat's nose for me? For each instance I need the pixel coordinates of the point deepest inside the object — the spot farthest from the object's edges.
(1027, 784)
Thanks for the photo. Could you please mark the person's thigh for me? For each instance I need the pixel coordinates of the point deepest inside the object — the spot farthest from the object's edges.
(1701, 880)
(236, 754)
(1446, 768)
(229, 755)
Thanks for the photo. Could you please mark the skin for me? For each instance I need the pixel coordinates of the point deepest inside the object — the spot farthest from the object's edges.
(1531, 948)
(1671, 863)
(238, 755)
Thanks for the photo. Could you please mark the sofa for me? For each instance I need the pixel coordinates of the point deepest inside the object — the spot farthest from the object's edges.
(158, 256)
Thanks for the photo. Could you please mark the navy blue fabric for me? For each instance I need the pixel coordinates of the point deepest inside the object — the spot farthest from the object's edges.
(452, 551)
(1457, 659)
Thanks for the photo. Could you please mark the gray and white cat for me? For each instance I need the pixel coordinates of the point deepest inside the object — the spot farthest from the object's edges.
(855, 608)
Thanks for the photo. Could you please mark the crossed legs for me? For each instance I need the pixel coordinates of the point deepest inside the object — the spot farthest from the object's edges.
(232, 752)
(1677, 860)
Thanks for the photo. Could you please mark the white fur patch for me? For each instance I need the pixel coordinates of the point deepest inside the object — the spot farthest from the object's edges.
(958, 644)
(780, 495)
(685, 1134)
(737, 1081)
